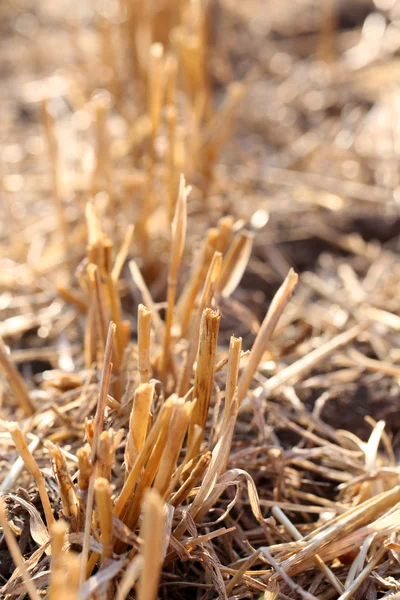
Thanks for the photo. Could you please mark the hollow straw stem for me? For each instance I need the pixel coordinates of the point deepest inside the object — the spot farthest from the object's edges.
(264, 335)
(144, 334)
(104, 507)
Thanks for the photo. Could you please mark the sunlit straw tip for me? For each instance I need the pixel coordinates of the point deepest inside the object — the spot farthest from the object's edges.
(157, 50)
(292, 277)
(236, 89)
(102, 484)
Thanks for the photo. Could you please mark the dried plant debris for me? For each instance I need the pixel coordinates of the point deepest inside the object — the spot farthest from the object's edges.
(200, 318)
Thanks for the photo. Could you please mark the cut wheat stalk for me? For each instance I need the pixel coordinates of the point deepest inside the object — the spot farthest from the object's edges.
(205, 300)
(97, 429)
(177, 245)
(54, 154)
(235, 349)
(180, 419)
(58, 533)
(66, 485)
(144, 334)
(204, 377)
(138, 424)
(104, 508)
(152, 534)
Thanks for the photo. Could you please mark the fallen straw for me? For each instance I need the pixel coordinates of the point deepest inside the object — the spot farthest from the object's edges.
(296, 535)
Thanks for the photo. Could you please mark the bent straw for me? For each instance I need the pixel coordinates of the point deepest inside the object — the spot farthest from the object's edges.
(31, 465)
(16, 382)
(16, 554)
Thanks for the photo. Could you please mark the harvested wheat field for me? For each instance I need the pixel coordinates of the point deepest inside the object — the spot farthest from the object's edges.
(200, 299)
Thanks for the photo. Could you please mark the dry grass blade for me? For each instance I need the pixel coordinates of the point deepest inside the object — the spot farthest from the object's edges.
(16, 382)
(235, 263)
(272, 317)
(180, 419)
(282, 518)
(305, 363)
(148, 300)
(33, 468)
(200, 268)
(16, 554)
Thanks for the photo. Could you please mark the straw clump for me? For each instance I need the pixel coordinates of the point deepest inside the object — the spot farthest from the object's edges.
(167, 376)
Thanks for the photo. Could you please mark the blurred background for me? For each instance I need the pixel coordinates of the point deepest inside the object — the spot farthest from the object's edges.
(284, 115)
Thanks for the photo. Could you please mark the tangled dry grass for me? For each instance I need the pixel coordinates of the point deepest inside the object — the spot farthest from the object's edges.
(166, 170)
